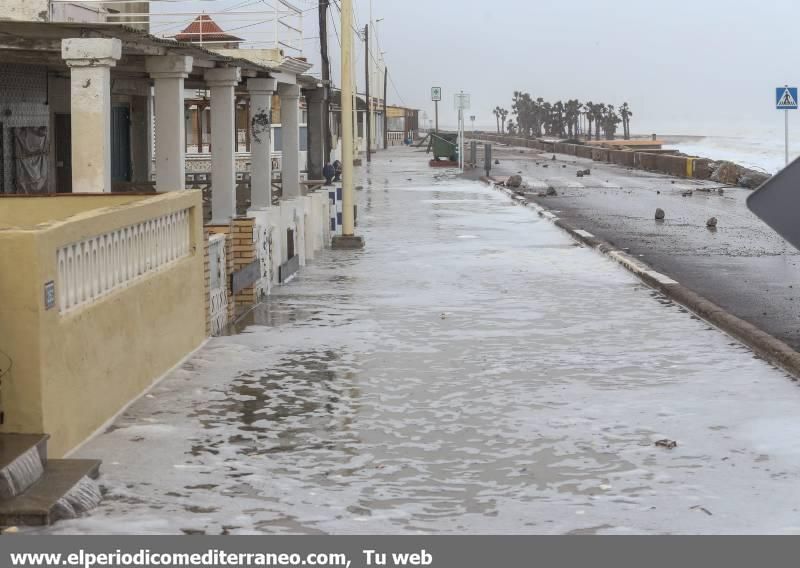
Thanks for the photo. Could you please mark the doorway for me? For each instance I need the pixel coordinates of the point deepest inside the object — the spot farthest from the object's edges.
(62, 139)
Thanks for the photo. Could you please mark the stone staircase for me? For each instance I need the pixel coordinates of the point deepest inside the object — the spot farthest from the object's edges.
(35, 490)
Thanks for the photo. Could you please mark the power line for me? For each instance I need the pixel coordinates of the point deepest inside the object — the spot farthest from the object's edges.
(372, 56)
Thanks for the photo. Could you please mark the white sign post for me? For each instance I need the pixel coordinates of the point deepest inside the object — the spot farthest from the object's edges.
(786, 100)
(436, 96)
(462, 103)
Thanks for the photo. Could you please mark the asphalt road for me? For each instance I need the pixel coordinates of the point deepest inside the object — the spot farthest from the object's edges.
(743, 265)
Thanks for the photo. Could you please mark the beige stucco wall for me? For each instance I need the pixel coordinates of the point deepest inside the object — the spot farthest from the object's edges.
(73, 371)
(29, 211)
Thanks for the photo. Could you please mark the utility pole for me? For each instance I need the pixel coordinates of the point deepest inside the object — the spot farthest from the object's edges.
(326, 77)
(348, 239)
(368, 126)
(385, 115)
(436, 107)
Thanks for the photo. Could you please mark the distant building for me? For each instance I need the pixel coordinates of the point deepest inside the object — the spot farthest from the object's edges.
(205, 31)
(132, 14)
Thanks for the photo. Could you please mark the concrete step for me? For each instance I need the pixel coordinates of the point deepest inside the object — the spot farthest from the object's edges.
(22, 460)
(42, 503)
(12, 445)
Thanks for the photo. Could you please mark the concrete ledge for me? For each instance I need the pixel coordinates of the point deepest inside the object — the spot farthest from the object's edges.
(343, 242)
(762, 343)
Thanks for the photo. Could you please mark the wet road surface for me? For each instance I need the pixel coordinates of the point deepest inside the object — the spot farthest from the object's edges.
(743, 266)
(472, 371)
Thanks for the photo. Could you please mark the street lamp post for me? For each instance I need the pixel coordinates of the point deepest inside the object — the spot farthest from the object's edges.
(348, 238)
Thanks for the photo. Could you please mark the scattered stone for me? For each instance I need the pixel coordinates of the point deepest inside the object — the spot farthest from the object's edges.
(687, 193)
(564, 166)
(580, 173)
(545, 165)
(514, 181)
(712, 223)
(727, 173)
(541, 194)
(660, 214)
(497, 162)
(359, 187)
(551, 191)
(752, 180)
(668, 444)
(443, 316)
(658, 192)
(554, 157)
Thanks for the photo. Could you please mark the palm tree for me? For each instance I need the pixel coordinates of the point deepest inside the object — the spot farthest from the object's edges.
(590, 116)
(572, 111)
(538, 113)
(503, 115)
(558, 118)
(611, 121)
(496, 112)
(626, 114)
(599, 116)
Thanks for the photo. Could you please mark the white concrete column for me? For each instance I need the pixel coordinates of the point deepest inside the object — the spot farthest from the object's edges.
(290, 137)
(168, 73)
(222, 81)
(260, 144)
(90, 61)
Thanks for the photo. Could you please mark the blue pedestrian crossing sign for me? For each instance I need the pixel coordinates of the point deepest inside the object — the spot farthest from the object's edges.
(786, 98)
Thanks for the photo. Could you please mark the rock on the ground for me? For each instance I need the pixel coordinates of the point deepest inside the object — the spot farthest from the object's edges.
(711, 223)
(727, 173)
(551, 191)
(514, 181)
(660, 214)
(752, 179)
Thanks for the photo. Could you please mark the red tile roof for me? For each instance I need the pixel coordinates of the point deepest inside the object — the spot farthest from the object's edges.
(205, 29)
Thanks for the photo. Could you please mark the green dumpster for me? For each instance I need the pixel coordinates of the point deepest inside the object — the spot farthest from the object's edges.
(445, 146)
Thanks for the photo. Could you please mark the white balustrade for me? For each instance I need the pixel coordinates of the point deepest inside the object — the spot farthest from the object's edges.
(96, 266)
(218, 289)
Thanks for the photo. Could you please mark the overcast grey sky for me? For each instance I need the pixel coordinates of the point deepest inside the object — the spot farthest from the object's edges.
(700, 66)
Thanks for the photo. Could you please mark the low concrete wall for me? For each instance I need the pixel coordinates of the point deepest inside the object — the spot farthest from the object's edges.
(75, 367)
(647, 161)
(673, 165)
(623, 158)
(31, 210)
(599, 154)
(666, 163)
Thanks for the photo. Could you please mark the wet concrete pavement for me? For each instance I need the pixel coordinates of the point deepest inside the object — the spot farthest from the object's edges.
(743, 266)
(472, 370)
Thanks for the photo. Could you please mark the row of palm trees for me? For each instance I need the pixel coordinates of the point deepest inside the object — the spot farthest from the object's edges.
(536, 117)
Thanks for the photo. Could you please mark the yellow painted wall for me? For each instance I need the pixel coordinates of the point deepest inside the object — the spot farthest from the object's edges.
(30, 211)
(74, 371)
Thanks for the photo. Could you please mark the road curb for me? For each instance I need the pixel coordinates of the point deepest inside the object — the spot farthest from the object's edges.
(762, 343)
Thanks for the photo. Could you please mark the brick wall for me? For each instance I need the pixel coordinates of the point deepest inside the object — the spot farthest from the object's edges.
(23, 102)
(244, 253)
